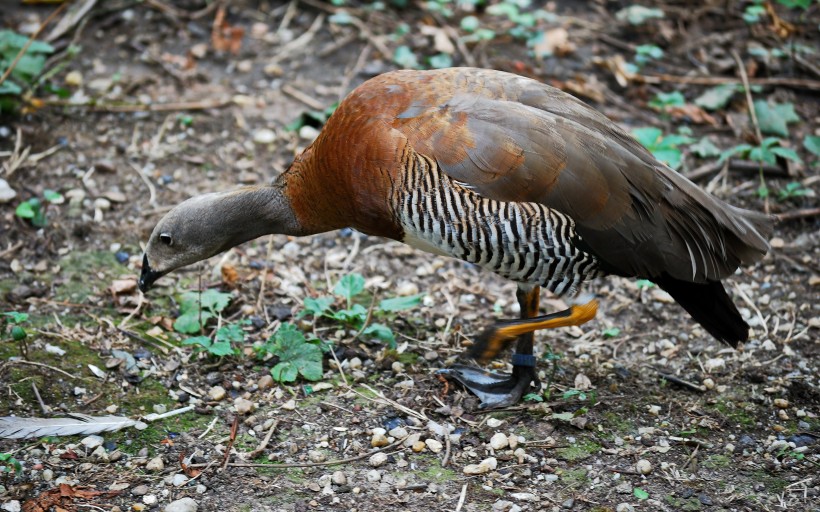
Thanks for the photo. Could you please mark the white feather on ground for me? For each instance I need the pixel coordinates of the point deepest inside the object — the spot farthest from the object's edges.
(12, 427)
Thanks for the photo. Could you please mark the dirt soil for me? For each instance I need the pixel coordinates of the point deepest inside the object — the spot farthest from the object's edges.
(640, 409)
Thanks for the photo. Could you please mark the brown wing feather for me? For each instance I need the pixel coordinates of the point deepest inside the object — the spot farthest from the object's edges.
(515, 139)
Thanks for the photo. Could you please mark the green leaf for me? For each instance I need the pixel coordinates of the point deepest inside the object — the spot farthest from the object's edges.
(469, 23)
(29, 66)
(404, 57)
(401, 303)
(51, 196)
(533, 397)
(440, 61)
(644, 283)
(349, 286)
(202, 341)
(637, 14)
(27, 209)
(231, 333)
(640, 493)
(215, 300)
(355, 314)
(668, 99)
(740, 149)
(774, 118)
(787, 153)
(296, 356)
(812, 144)
(317, 306)
(647, 136)
(381, 332)
(18, 333)
(563, 416)
(188, 322)
(704, 148)
(791, 4)
(9, 87)
(15, 317)
(11, 43)
(669, 156)
(717, 97)
(221, 348)
(611, 332)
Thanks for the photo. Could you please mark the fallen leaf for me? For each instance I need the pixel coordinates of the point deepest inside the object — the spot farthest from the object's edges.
(691, 112)
(120, 286)
(229, 275)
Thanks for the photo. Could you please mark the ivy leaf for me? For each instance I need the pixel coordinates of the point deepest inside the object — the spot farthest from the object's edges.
(15, 317)
(231, 333)
(717, 97)
(202, 341)
(774, 118)
(296, 356)
(356, 313)
(611, 332)
(215, 300)
(349, 286)
(705, 148)
(787, 153)
(317, 306)
(381, 332)
(404, 57)
(188, 322)
(812, 144)
(401, 303)
(640, 493)
(27, 209)
(221, 348)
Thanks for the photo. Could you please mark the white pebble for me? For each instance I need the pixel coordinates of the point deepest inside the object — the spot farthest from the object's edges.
(155, 464)
(150, 499)
(182, 505)
(499, 441)
(485, 466)
(643, 467)
(494, 422)
(372, 476)
(378, 459)
(433, 445)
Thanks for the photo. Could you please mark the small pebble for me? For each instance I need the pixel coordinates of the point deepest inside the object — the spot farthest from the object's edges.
(433, 445)
(643, 467)
(179, 480)
(92, 442)
(494, 422)
(242, 406)
(568, 503)
(499, 441)
(418, 446)
(290, 405)
(485, 466)
(317, 456)
(372, 476)
(624, 507)
(264, 136)
(149, 499)
(379, 440)
(182, 505)
(265, 382)
(140, 490)
(781, 403)
(398, 432)
(339, 478)
(216, 393)
(155, 464)
(378, 459)
(708, 383)
(654, 410)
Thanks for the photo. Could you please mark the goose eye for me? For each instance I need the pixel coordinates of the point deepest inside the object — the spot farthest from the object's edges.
(165, 238)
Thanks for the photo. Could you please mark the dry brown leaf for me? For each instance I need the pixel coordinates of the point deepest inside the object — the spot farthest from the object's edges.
(229, 275)
(120, 286)
(693, 112)
(555, 42)
(226, 37)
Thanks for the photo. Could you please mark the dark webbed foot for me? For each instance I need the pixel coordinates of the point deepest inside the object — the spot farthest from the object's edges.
(500, 390)
(495, 390)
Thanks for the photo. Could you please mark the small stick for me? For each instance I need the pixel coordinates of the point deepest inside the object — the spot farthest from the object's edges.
(210, 426)
(310, 464)
(234, 429)
(339, 366)
(681, 382)
(797, 83)
(461, 498)
(152, 107)
(734, 165)
(264, 444)
(748, 90)
(304, 98)
(33, 363)
(798, 214)
(448, 447)
(175, 412)
(46, 409)
(751, 304)
(11, 249)
(152, 191)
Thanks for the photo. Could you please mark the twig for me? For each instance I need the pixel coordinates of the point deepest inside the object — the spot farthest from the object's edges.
(794, 214)
(33, 363)
(461, 498)
(797, 83)
(448, 448)
(748, 90)
(368, 318)
(754, 308)
(735, 165)
(309, 464)
(264, 444)
(152, 107)
(11, 249)
(393, 403)
(210, 426)
(339, 366)
(169, 414)
(46, 409)
(152, 191)
(231, 439)
(680, 382)
(286, 50)
(133, 312)
(304, 98)
(31, 39)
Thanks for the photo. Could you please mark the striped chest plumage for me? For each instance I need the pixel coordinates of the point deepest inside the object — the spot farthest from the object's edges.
(523, 242)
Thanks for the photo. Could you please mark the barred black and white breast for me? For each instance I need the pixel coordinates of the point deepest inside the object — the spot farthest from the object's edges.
(525, 242)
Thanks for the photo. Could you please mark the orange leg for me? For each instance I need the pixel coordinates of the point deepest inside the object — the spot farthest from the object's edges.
(498, 390)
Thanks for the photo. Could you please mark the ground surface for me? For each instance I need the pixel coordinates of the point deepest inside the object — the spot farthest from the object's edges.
(741, 435)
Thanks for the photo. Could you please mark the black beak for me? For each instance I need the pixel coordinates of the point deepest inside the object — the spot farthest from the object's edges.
(148, 276)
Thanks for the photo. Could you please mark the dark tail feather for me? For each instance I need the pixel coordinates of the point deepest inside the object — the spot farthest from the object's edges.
(710, 306)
